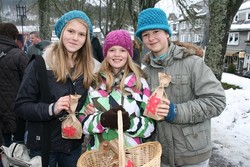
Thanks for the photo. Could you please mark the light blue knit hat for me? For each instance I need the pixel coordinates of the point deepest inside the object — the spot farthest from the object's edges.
(152, 18)
(69, 16)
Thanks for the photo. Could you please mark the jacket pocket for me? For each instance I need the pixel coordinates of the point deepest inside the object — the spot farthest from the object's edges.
(196, 137)
(180, 85)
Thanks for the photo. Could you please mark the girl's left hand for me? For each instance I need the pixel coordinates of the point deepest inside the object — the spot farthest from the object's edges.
(163, 108)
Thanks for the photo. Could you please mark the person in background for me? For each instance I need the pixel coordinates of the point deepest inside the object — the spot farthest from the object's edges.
(119, 85)
(38, 44)
(137, 52)
(70, 71)
(97, 49)
(12, 64)
(27, 42)
(20, 41)
(194, 94)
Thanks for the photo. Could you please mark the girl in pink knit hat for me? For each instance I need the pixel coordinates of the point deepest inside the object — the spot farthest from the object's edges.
(119, 85)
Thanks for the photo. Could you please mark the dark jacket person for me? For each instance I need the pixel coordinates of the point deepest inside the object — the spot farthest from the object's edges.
(12, 65)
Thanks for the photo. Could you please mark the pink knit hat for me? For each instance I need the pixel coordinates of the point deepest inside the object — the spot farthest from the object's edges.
(118, 38)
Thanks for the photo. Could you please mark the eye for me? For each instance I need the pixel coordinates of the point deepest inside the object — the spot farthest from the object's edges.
(70, 31)
(155, 31)
(123, 50)
(111, 50)
(82, 34)
(144, 35)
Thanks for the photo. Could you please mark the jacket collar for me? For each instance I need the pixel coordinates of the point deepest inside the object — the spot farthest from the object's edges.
(174, 52)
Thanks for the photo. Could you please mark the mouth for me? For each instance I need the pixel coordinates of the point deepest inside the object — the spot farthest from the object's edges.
(117, 60)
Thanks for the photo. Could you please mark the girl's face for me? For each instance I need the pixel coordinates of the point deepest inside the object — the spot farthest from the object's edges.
(156, 41)
(117, 57)
(74, 36)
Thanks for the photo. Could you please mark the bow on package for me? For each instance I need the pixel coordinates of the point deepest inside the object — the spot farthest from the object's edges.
(157, 95)
(71, 126)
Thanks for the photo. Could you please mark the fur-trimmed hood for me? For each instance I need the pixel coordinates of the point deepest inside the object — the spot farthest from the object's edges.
(175, 51)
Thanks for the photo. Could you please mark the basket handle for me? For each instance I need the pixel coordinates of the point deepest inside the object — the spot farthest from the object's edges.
(122, 158)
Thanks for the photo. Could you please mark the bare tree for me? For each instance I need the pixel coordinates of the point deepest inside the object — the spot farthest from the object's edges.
(112, 15)
(135, 6)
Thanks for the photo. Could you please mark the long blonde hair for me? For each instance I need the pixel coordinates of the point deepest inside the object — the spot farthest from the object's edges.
(83, 59)
(106, 69)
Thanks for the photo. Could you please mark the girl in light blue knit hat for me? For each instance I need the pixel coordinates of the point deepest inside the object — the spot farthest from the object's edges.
(194, 94)
(70, 71)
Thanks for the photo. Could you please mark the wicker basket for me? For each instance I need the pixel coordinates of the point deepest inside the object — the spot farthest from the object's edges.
(146, 155)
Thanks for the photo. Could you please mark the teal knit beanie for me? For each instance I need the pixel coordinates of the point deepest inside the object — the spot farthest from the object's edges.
(150, 19)
(69, 16)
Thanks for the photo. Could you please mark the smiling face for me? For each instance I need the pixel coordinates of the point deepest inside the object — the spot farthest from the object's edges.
(156, 41)
(117, 57)
(74, 36)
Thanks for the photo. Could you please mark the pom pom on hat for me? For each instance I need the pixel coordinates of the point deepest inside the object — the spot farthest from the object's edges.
(152, 18)
(69, 16)
(118, 38)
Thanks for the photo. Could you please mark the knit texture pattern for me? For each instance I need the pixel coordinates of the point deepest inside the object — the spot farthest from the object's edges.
(118, 38)
(60, 24)
(152, 18)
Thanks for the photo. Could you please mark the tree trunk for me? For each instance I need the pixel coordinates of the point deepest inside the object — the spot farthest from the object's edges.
(44, 19)
(221, 15)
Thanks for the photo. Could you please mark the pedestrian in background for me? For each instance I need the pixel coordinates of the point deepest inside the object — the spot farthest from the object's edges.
(119, 85)
(194, 94)
(97, 49)
(137, 52)
(70, 71)
(38, 44)
(12, 64)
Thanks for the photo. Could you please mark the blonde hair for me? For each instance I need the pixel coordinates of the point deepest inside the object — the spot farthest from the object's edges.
(106, 69)
(83, 59)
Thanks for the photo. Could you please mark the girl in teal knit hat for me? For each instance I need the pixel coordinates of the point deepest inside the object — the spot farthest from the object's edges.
(70, 66)
(194, 94)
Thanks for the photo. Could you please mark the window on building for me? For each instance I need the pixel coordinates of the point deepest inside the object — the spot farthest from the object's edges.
(174, 27)
(183, 38)
(174, 38)
(183, 25)
(236, 18)
(248, 16)
(198, 23)
(248, 36)
(189, 38)
(233, 38)
(197, 38)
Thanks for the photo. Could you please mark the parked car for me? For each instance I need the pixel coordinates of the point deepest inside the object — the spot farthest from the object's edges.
(247, 74)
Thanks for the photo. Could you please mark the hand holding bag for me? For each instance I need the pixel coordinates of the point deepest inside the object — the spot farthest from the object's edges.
(157, 95)
(71, 126)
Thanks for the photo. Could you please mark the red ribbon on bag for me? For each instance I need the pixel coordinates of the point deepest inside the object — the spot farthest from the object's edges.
(69, 131)
(129, 164)
(152, 104)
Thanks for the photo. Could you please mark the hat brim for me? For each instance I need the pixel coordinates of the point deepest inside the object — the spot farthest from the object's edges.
(153, 27)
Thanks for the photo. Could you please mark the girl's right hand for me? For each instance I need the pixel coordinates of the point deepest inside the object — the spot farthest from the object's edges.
(63, 103)
(89, 109)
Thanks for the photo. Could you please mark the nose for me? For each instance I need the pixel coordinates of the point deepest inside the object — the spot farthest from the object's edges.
(75, 36)
(116, 52)
(150, 37)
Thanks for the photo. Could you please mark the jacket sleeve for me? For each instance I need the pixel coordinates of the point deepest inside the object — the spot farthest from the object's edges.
(141, 126)
(28, 105)
(208, 96)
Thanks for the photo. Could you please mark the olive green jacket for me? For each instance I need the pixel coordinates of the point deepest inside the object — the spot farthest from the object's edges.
(198, 96)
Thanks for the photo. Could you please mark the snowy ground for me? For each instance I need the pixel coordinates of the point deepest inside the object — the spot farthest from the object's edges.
(231, 130)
